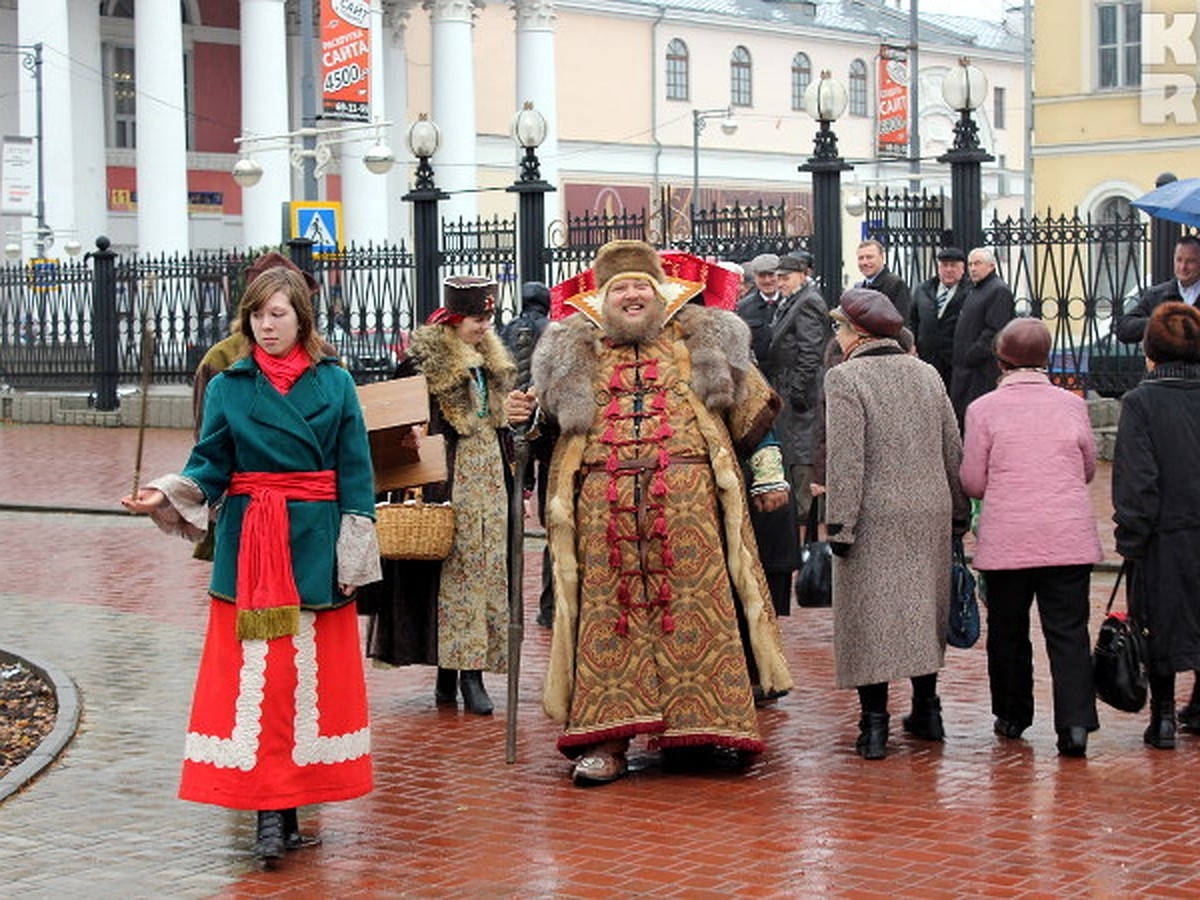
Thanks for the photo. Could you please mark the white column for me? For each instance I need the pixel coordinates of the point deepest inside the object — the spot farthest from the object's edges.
(454, 104)
(364, 194)
(87, 104)
(161, 129)
(265, 111)
(45, 22)
(396, 112)
(536, 80)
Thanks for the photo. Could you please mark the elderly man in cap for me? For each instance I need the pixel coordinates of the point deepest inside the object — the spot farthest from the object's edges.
(892, 501)
(936, 304)
(987, 308)
(757, 308)
(654, 398)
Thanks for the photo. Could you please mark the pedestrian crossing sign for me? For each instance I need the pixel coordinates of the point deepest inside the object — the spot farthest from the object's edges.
(320, 222)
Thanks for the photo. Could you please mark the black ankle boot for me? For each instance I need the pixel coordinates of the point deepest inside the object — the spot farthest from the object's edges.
(925, 721)
(269, 844)
(1073, 741)
(1160, 733)
(446, 690)
(292, 838)
(872, 735)
(475, 697)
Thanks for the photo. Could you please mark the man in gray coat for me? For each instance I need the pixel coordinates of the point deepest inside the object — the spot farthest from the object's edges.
(793, 366)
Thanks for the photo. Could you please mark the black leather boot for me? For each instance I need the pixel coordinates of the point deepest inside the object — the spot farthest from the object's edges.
(292, 838)
(269, 843)
(925, 721)
(1160, 733)
(1073, 741)
(872, 735)
(475, 697)
(446, 691)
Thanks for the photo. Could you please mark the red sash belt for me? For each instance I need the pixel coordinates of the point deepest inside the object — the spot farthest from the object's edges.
(268, 602)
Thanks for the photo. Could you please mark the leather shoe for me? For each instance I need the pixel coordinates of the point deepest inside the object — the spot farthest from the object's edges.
(1073, 741)
(599, 767)
(872, 735)
(1007, 729)
(925, 722)
(292, 838)
(1189, 718)
(269, 843)
(475, 697)
(445, 692)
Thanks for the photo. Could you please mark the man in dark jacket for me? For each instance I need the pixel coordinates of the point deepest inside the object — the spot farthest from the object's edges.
(520, 336)
(757, 308)
(987, 308)
(935, 308)
(1184, 288)
(871, 263)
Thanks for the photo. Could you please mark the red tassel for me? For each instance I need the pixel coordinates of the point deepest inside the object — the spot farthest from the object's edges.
(623, 625)
(614, 556)
(610, 464)
(664, 431)
(660, 527)
(609, 436)
(612, 491)
(658, 487)
(613, 534)
(668, 556)
(664, 592)
(615, 382)
(623, 592)
(668, 623)
(659, 403)
(613, 409)
(650, 373)
(664, 458)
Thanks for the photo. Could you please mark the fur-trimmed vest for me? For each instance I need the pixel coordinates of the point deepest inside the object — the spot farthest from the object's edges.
(446, 363)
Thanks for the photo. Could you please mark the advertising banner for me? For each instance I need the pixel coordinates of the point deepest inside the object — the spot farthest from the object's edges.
(18, 168)
(346, 60)
(892, 116)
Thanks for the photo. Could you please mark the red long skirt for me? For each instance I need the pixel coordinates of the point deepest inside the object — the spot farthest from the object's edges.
(280, 723)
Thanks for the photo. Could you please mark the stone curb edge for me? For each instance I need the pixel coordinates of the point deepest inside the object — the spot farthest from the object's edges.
(70, 706)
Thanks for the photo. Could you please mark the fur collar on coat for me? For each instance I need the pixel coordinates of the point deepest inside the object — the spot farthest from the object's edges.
(446, 363)
(568, 354)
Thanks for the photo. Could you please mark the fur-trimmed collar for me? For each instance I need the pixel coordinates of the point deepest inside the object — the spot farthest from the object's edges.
(567, 356)
(446, 363)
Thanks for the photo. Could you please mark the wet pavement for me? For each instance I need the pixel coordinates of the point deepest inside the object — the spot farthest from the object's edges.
(121, 609)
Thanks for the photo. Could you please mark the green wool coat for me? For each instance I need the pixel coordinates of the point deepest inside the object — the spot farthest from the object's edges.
(250, 427)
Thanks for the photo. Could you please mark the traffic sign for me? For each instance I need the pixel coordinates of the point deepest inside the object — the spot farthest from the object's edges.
(320, 222)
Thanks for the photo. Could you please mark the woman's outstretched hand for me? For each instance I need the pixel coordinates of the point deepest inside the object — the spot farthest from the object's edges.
(146, 502)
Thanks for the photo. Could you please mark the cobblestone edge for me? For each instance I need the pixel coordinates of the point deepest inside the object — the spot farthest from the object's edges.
(70, 705)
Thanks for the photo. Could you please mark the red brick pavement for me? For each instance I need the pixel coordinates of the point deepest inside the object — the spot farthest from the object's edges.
(973, 816)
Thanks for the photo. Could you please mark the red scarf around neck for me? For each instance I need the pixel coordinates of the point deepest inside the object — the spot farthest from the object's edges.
(283, 371)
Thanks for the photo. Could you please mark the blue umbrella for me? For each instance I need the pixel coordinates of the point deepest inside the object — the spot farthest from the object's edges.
(1178, 201)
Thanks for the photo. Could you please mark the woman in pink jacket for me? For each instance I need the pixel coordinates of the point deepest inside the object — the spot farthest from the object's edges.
(1029, 454)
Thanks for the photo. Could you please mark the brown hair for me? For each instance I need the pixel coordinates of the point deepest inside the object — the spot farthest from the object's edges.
(292, 284)
(1173, 333)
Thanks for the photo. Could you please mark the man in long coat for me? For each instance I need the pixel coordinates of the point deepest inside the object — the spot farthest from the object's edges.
(987, 309)
(647, 518)
(936, 305)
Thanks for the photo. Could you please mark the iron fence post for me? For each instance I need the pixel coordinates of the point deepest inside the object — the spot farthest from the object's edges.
(426, 253)
(531, 192)
(300, 251)
(966, 182)
(104, 324)
(827, 167)
(1163, 235)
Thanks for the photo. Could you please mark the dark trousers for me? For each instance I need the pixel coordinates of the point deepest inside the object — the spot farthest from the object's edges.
(1062, 598)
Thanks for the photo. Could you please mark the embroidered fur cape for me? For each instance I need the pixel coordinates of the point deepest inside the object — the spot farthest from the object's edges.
(734, 407)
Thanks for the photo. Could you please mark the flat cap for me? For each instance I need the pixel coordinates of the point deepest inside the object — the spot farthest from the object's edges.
(791, 264)
(869, 311)
(764, 262)
(951, 254)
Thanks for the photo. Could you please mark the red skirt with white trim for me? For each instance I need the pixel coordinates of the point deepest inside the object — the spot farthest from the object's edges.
(280, 723)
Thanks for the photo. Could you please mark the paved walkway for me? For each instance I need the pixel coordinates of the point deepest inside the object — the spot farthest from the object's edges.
(121, 609)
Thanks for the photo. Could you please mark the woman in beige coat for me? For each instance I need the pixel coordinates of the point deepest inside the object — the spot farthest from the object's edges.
(893, 493)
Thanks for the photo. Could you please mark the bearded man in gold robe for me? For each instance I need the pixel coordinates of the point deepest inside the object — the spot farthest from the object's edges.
(654, 399)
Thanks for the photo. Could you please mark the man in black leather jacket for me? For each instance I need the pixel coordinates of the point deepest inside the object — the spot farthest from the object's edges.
(1184, 287)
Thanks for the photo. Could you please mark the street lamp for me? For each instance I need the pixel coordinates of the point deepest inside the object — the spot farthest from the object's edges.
(423, 139)
(529, 130)
(31, 59)
(729, 126)
(964, 89)
(825, 100)
(314, 144)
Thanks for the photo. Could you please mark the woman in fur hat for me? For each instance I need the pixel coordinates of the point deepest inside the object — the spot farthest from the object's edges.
(1156, 498)
(454, 612)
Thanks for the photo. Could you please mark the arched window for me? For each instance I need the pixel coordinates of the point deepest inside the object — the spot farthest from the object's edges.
(858, 88)
(677, 70)
(801, 76)
(740, 77)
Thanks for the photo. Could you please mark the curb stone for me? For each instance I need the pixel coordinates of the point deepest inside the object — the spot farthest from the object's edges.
(66, 723)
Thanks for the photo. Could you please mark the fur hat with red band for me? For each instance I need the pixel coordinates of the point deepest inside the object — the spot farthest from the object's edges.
(615, 261)
(464, 296)
(1173, 334)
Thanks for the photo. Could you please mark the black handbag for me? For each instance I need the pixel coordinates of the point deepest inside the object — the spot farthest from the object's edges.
(962, 628)
(814, 584)
(1119, 659)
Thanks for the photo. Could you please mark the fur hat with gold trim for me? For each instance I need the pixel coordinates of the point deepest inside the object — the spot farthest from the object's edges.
(618, 260)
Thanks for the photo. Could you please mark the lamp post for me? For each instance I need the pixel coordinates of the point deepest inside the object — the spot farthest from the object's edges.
(31, 59)
(964, 89)
(529, 130)
(312, 148)
(424, 138)
(728, 126)
(825, 100)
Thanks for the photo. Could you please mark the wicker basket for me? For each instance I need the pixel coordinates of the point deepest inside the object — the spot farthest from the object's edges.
(414, 529)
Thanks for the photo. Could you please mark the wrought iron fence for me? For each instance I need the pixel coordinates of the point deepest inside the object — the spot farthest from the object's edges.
(911, 227)
(487, 248)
